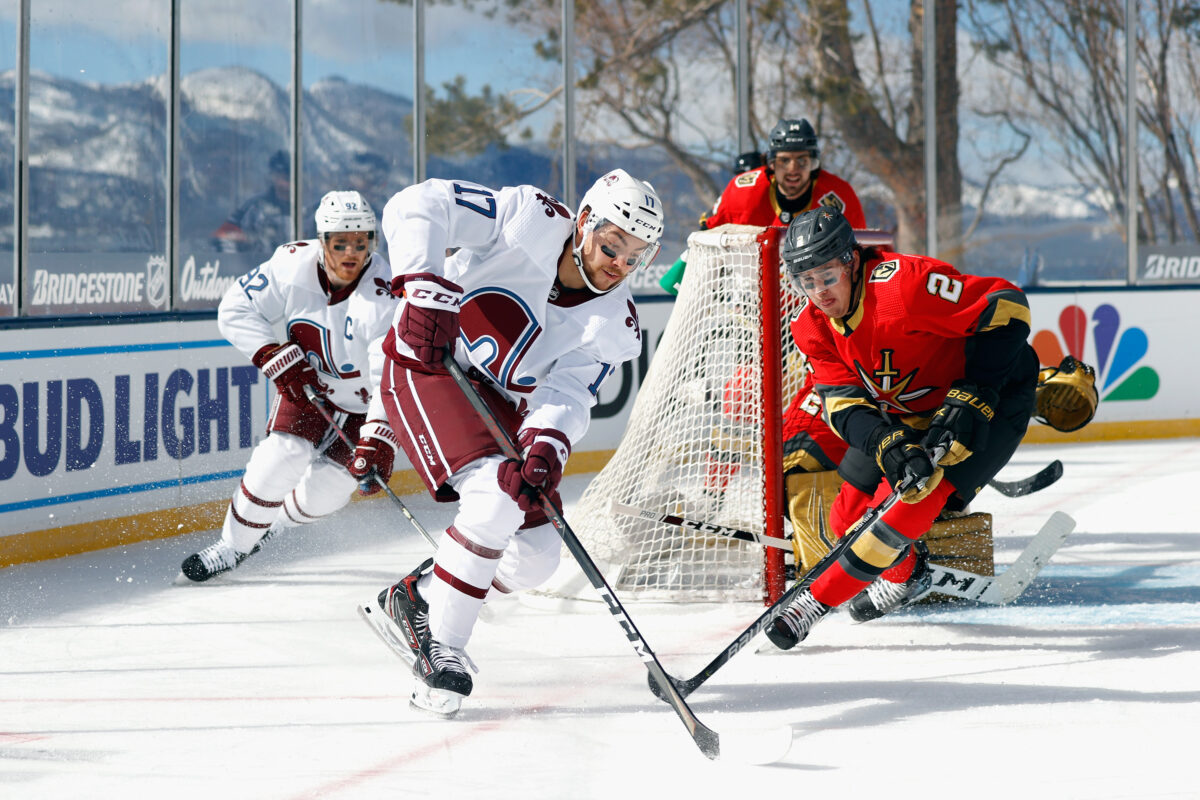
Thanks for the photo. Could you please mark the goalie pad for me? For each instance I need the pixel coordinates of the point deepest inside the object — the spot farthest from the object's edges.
(1066, 395)
(963, 542)
(809, 498)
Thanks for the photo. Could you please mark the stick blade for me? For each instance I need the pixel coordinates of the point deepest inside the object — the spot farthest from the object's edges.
(1045, 544)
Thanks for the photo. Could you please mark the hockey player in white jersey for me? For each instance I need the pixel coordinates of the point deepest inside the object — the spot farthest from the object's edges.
(534, 306)
(330, 297)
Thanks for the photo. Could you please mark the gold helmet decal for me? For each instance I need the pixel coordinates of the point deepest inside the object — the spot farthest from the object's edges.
(1066, 395)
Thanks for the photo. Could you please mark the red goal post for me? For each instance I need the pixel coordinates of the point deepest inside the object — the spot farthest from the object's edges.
(704, 438)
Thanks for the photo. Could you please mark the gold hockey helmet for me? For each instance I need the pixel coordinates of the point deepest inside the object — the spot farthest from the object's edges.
(1066, 395)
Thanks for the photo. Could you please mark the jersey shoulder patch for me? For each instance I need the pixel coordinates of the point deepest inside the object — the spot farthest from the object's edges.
(884, 271)
(747, 178)
(832, 200)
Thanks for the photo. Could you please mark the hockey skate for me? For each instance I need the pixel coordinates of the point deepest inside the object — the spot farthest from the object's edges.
(442, 678)
(792, 626)
(408, 611)
(883, 596)
(217, 558)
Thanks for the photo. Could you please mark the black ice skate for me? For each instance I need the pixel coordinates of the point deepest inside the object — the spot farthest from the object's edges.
(883, 596)
(442, 678)
(218, 558)
(406, 608)
(789, 628)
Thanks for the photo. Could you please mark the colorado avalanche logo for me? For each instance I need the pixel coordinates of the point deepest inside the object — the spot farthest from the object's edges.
(1114, 366)
(314, 340)
(498, 329)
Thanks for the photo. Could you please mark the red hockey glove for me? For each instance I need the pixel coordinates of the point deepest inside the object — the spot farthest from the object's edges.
(898, 452)
(286, 365)
(374, 455)
(545, 455)
(429, 322)
(962, 421)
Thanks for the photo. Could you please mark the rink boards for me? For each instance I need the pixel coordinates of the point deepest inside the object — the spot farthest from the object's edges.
(136, 430)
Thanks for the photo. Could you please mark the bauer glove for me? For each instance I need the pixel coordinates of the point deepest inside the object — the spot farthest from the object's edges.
(961, 424)
(898, 452)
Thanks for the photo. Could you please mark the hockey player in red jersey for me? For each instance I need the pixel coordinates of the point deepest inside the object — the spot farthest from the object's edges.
(331, 295)
(791, 182)
(908, 354)
(534, 306)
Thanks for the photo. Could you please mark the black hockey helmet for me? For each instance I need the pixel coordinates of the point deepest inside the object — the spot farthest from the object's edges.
(748, 161)
(814, 238)
(793, 135)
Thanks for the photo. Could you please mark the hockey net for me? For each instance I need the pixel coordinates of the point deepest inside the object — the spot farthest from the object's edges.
(704, 437)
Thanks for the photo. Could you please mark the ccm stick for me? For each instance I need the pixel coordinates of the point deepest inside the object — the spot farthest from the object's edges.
(319, 402)
(999, 590)
(709, 741)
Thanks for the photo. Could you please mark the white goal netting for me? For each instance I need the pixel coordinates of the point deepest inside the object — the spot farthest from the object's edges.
(702, 441)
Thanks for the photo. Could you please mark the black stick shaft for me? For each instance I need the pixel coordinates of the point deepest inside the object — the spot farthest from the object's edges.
(705, 738)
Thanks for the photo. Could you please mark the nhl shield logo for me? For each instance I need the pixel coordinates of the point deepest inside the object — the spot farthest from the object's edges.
(156, 281)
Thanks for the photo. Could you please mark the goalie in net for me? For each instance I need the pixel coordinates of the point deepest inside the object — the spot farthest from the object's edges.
(704, 441)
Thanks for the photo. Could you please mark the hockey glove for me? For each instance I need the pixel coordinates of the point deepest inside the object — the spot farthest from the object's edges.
(374, 455)
(898, 452)
(429, 322)
(286, 365)
(541, 467)
(962, 422)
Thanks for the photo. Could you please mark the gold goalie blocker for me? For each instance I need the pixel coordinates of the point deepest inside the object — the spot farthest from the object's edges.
(1066, 401)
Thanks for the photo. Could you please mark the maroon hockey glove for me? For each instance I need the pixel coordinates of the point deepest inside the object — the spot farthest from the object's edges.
(962, 421)
(545, 455)
(429, 322)
(374, 455)
(286, 365)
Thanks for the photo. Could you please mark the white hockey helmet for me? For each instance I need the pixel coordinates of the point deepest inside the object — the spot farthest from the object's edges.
(341, 212)
(630, 204)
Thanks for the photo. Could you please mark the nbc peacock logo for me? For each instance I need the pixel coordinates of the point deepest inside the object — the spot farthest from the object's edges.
(1117, 353)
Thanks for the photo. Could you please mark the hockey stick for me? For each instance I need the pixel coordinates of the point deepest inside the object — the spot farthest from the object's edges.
(319, 402)
(708, 740)
(1034, 483)
(945, 580)
(686, 687)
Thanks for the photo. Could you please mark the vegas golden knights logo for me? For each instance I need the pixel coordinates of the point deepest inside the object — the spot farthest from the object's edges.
(831, 200)
(884, 272)
(887, 387)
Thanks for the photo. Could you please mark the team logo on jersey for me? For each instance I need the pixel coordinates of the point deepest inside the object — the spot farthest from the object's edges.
(156, 281)
(382, 288)
(1118, 352)
(552, 206)
(314, 340)
(746, 179)
(884, 272)
(499, 328)
(632, 321)
(887, 387)
(831, 200)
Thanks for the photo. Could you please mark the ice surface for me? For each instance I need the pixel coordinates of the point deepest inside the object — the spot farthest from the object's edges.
(114, 683)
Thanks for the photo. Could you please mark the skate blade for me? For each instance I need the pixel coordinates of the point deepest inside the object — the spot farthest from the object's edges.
(386, 630)
(437, 702)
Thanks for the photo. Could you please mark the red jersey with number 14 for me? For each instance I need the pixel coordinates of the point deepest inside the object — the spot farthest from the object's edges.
(905, 343)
